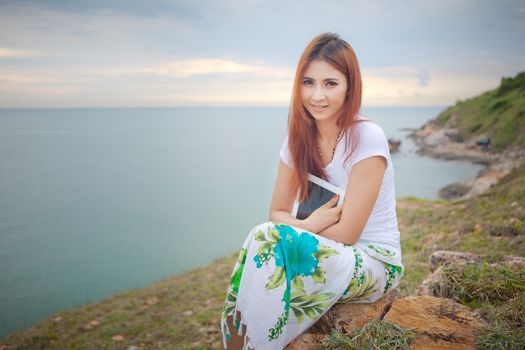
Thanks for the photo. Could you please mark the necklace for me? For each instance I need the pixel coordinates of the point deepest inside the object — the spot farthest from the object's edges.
(333, 150)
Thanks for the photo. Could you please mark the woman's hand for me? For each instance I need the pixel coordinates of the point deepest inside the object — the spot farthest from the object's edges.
(324, 216)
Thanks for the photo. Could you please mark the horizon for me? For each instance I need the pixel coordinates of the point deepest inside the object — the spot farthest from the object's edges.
(202, 107)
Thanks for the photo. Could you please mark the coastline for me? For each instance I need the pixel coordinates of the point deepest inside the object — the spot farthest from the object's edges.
(443, 143)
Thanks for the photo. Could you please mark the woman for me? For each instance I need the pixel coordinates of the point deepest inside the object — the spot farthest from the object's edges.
(291, 271)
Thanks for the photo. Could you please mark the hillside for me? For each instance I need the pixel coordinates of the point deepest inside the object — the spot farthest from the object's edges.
(488, 129)
(182, 312)
(498, 114)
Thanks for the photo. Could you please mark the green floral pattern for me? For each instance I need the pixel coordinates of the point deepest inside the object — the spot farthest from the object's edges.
(233, 289)
(392, 271)
(362, 284)
(383, 251)
(294, 258)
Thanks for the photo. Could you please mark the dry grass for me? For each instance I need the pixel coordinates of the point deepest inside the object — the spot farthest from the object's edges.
(375, 335)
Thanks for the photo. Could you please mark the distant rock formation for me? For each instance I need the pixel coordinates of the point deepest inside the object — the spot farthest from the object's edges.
(486, 129)
(393, 145)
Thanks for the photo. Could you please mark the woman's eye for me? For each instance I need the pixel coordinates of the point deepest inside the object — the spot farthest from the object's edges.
(307, 82)
(331, 83)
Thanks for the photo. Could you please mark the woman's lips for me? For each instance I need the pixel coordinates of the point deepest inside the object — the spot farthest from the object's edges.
(318, 108)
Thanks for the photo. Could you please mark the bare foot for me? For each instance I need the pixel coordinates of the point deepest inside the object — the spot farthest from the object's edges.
(236, 341)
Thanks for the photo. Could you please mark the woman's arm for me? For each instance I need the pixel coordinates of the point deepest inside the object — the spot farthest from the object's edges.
(282, 201)
(363, 188)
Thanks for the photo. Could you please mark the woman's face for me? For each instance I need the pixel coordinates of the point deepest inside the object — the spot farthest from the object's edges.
(323, 90)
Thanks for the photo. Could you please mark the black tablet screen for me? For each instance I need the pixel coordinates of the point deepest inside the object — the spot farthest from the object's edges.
(318, 196)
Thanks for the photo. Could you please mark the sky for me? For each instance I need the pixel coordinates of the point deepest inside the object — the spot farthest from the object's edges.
(159, 53)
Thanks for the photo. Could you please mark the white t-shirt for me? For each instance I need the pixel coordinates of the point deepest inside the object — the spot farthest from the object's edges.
(382, 224)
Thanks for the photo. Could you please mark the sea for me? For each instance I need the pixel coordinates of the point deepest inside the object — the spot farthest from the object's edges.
(96, 201)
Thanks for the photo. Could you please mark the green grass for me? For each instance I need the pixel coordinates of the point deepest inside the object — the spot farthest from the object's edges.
(498, 114)
(508, 325)
(501, 337)
(478, 283)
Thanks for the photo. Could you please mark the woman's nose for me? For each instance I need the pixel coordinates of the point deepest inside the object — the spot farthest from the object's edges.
(318, 94)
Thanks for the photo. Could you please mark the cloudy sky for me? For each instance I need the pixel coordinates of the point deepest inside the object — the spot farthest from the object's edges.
(109, 53)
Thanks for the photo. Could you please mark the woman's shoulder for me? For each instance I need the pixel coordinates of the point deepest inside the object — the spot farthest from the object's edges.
(371, 140)
(369, 129)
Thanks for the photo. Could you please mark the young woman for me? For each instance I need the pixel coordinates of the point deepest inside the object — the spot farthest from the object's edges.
(290, 271)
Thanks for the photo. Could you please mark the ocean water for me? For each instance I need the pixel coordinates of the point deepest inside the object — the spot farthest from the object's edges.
(96, 201)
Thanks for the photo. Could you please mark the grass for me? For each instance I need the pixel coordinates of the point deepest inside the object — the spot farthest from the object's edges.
(182, 312)
(375, 335)
(477, 283)
(501, 337)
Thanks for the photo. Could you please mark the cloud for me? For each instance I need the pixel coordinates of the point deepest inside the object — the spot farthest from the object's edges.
(183, 82)
(185, 68)
(401, 86)
(198, 51)
(12, 53)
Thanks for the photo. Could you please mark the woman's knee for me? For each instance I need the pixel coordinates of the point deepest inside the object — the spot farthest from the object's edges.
(264, 227)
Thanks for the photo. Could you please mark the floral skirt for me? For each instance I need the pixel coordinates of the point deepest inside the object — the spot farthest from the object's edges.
(285, 279)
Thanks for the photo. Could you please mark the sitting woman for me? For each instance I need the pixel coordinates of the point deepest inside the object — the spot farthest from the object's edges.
(291, 271)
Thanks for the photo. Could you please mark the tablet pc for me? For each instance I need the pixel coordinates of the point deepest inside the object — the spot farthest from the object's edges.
(321, 192)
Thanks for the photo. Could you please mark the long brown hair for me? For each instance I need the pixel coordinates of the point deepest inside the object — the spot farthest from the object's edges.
(302, 130)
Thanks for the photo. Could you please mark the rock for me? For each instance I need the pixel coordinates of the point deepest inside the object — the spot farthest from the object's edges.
(454, 136)
(445, 257)
(152, 301)
(117, 338)
(427, 287)
(513, 221)
(91, 325)
(132, 347)
(512, 261)
(57, 319)
(187, 313)
(438, 323)
(348, 316)
(393, 145)
(344, 316)
(455, 190)
(514, 204)
(306, 341)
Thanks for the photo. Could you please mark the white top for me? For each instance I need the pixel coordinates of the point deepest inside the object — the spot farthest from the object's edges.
(381, 226)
